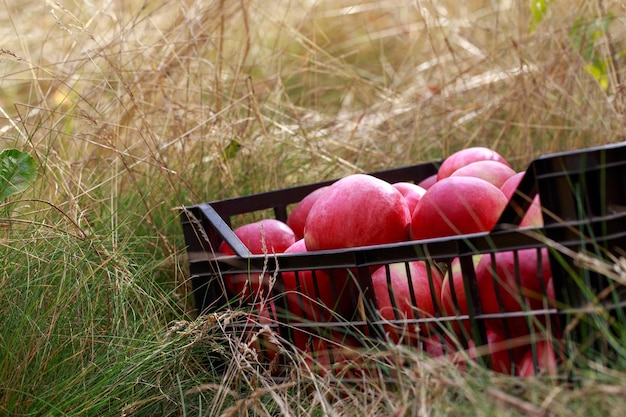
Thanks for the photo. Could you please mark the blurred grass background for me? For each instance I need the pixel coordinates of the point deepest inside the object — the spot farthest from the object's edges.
(133, 109)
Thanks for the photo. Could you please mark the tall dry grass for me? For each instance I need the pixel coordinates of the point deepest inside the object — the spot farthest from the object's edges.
(135, 108)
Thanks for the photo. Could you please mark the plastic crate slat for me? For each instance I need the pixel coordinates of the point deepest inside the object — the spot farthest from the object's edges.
(221, 227)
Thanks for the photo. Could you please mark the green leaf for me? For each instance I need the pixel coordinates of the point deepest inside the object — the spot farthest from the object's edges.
(231, 149)
(598, 70)
(580, 37)
(538, 9)
(17, 171)
(584, 34)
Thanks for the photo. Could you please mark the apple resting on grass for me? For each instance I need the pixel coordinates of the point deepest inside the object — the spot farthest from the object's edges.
(357, 210)
(398, 298)
(457, 205)
(268, 236)
(494, 172)
(297, 218)
(465, 157)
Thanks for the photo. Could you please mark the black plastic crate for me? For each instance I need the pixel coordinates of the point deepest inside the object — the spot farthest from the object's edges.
(583, 194)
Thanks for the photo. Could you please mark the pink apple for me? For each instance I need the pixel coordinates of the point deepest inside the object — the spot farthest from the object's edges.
(533, 216)
(453, 298)
(318, 295)
(433, 346)
(260, 336)
(425, 281)
(264, 236)
(510, 185)
(427, 182)
(465, 157)
(412, 192)
(268, 236)
(503, 353)
(341, 359)
(357, 210)
(437, 345)
(499, 283)
(546, 360)
(494, 172)
(457, 205)
(297, 218)
(550, 293)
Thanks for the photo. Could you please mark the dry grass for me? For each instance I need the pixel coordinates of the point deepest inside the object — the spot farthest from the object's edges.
(133, 109)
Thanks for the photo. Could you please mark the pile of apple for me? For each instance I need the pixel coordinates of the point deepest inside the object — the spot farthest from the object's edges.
(467, 195)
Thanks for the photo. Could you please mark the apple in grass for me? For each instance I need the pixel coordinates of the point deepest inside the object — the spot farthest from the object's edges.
(297, 218)
(494, 172)
(465, 157)
(457, 205)
(412, 193)
(357, 210)
(267, 236)
(408, 290)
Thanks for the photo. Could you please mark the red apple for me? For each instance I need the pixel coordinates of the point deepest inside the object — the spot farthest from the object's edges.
(510, 185)
(513, 279)
(416, 293)
(318, 295)
(494, 172)
(268, 236)
(550, 293)
(546, 360)
(427, 182)
(453, 298)
(533, 216)
(457, 205)
(260, 335)
(465, 157)
(297, 218)
(434, 347)
(264, 236)
(341, 359)
(411, 192)
(357, 210)
(437, 345)
(502, 352)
